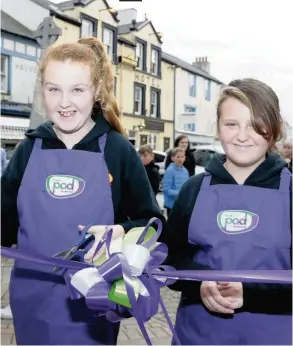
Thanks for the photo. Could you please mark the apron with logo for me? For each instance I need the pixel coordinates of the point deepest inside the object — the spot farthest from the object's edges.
(245, 228)
(60, 190)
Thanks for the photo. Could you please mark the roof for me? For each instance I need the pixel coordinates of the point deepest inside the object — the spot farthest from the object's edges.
(12, 26)
(69, 5)
(124, 40)
(136, 26)
(55, 10)
(188, 67)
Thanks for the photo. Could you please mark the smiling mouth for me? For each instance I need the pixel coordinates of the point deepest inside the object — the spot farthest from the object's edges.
(243, 146)
(67, 114)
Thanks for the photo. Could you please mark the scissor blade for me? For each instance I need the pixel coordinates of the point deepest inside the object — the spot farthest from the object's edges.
(68, 253)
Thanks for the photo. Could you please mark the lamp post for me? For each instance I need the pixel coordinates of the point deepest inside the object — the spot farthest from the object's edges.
(46, 34)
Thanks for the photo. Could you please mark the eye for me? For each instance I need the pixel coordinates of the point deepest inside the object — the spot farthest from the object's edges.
(230, 124)
(77, 90)
(53, 90)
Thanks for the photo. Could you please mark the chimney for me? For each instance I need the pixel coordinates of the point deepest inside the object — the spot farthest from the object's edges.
(127, 16)
(202, 63)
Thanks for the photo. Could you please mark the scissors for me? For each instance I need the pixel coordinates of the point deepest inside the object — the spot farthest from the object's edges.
(78, 249)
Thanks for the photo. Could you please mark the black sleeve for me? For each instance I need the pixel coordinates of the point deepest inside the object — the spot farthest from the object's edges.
(10, 183)
(155, 179)
(269, 298)
(180, 252)
(168, 159)
(139, 201)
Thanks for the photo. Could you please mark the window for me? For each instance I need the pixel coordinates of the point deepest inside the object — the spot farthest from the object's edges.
(4, 74)
(166, 143)
(115, 85)
(87, 28)
(189, 127)
(153, 140)
(139, 55)
(155, 103)
(139, 97)
(207, 90)
(143, 139)
(155, 62)
(189, 109)
(108, 40)
(192, 85)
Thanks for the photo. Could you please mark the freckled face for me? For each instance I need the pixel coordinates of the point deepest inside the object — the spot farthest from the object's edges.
(68, 95)
(242, 144)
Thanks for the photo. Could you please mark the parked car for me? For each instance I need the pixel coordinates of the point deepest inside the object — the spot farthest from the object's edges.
(203, 155)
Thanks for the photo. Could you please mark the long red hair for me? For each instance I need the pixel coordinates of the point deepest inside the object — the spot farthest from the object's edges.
(92, 52)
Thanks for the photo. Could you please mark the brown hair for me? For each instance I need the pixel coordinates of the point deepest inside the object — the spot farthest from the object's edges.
(146, 149)
(90, 51)
(177, 150)
(263, 104)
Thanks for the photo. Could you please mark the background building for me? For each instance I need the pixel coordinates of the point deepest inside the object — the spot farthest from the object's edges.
(195, 98)
(19, 53)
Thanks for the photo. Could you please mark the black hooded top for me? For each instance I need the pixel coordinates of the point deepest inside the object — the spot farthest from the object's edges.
(189, 162)
(133, 200)
(264, 298)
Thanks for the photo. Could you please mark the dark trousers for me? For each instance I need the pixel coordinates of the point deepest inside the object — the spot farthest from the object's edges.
(168, 211)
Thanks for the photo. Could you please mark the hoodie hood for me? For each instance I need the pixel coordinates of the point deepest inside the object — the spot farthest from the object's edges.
(45, 131)
(262, 176)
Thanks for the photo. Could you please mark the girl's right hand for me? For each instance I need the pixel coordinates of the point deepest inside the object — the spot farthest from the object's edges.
(213, 300)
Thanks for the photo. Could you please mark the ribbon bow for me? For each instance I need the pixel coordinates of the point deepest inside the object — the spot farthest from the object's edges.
(123, 285)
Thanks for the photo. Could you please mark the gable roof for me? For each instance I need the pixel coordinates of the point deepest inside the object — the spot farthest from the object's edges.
(188, 67)
(56, 11)
(10, 25)
(136, 26)
(69, 5)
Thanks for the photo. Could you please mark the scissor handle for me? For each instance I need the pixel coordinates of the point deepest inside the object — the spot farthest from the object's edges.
(83, 236)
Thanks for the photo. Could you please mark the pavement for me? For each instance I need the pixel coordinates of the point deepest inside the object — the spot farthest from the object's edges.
(129, 334)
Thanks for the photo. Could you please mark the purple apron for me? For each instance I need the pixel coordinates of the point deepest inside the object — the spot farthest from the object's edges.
(238, 227)
(60, 190)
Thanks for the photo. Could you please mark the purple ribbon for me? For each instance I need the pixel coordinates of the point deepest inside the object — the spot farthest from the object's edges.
(116, 267)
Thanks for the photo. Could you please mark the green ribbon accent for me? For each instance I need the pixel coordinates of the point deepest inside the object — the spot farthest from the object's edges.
(131, 237)
(118, 295)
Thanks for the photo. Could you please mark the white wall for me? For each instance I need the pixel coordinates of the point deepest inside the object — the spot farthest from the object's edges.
(205, 110)
(25, 11)
(23, 79)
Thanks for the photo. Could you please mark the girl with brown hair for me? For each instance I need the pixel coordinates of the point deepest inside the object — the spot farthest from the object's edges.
(236, 216)
(75, 170)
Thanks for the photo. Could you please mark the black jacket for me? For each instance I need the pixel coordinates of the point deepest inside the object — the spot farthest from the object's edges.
(153, 175)
(189, 162)
(257, 297)
(133, 201)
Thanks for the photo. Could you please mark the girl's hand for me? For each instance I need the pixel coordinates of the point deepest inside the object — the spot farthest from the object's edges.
(233, 291)
(98, 231)
(213, 299)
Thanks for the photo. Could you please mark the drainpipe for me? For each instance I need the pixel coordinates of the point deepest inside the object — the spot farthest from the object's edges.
(174, 106)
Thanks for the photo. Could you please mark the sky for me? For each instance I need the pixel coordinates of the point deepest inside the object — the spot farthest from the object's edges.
(251, 38)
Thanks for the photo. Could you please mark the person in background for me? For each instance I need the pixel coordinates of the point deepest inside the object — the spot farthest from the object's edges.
(175, 176)
(236, 216)
(287, 154)
(75, 170)
(152, 170)
(189, 163)
(3, 160)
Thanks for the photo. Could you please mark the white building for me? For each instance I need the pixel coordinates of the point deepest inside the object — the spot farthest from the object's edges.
(196, 95)
(19, 53)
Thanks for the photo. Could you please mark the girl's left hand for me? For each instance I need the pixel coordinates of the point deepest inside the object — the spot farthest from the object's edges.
(233, 291)
(98, 231)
